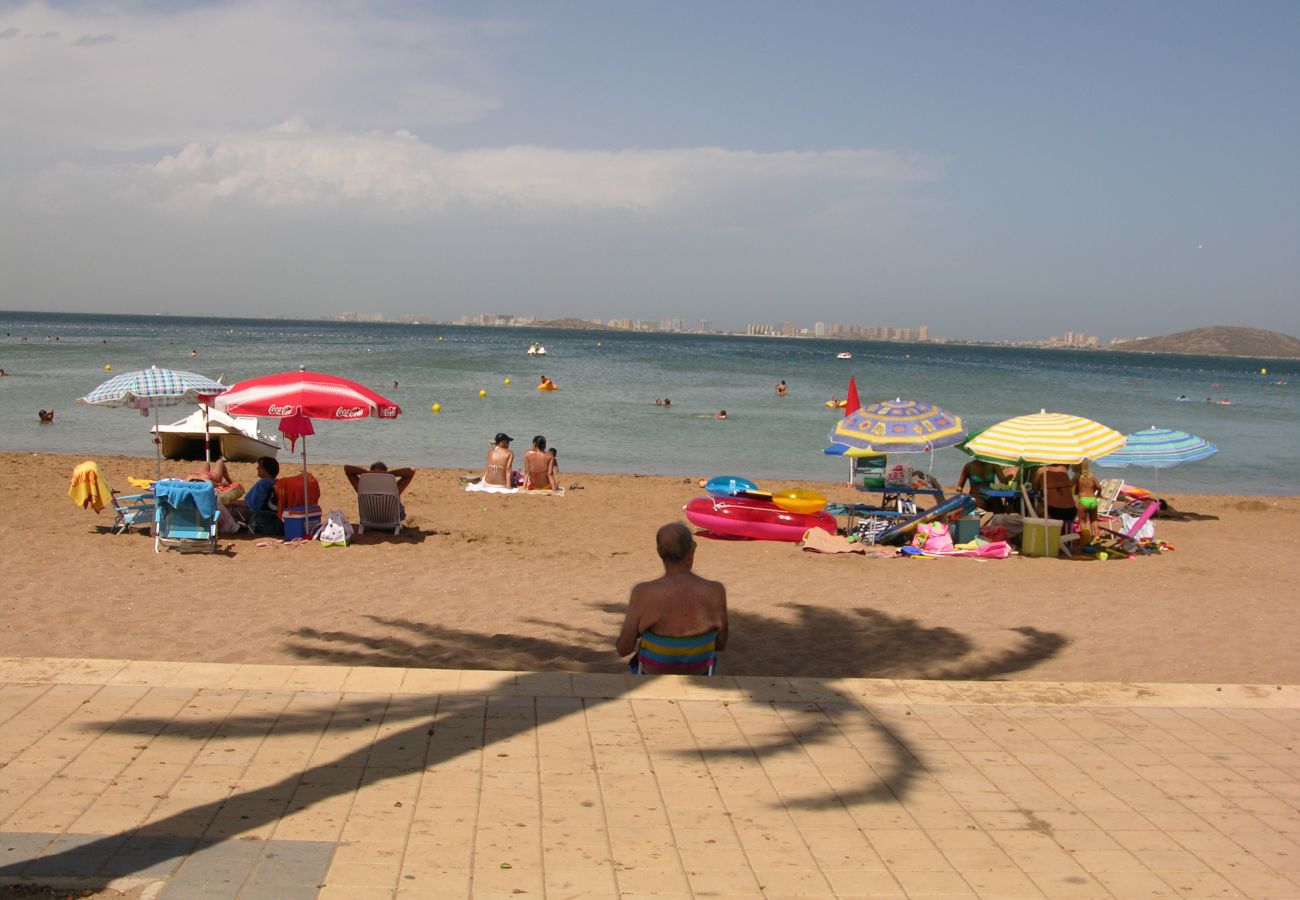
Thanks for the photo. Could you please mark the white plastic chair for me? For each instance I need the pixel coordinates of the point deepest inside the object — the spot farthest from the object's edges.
(379, 503)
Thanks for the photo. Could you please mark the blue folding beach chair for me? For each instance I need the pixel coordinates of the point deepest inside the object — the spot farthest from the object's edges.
(185, 515)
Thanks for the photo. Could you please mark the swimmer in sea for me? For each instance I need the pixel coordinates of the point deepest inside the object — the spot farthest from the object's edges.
(781, 388)
(721, 414)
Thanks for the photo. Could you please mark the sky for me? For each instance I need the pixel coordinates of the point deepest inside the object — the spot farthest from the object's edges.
(994, 170)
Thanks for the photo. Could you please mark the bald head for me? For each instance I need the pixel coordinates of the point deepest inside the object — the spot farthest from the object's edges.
(674, 543)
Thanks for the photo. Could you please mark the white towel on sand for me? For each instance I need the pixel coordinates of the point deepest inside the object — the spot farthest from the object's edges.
(484, 487)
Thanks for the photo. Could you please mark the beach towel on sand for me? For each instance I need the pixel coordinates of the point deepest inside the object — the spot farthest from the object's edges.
(484, 487)
(819, 541)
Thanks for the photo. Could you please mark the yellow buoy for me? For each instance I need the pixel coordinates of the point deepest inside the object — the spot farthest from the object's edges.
(506, 382)
(107, 367)
(482, 393)
(437, 408)
(1263, 371)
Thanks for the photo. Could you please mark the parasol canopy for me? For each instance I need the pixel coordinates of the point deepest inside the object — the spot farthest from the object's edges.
(1158, 448)
(149, 389)
(295, 398)
(1044, 438)
(314, 395)
(896, 426)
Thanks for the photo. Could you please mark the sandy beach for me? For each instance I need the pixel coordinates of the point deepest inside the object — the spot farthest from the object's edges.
(539, 583)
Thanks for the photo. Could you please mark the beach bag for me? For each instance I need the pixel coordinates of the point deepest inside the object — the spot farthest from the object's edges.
(933, 537)
(335, 531)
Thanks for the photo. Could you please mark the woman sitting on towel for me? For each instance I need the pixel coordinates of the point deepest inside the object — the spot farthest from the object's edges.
(500, 461)
(539, 467)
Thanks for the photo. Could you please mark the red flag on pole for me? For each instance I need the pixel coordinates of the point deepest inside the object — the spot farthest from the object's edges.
(853, 404)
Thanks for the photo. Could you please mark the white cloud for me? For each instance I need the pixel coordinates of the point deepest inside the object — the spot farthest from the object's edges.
(294, 167)
(78, 80)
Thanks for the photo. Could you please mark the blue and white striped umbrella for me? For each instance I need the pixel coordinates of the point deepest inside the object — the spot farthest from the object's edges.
(1158, 448)
(147, 388)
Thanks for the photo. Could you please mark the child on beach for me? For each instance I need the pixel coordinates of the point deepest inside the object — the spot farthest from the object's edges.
(1086, 490)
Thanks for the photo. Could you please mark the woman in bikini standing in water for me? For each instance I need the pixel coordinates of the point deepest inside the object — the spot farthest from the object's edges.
(538, 466)
(500, 461)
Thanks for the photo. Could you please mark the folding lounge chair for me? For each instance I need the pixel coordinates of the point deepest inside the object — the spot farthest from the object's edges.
(1108, 499)
(186, 515)
(379, 503)
(1127, 541)
(90, 490)
(132, 509)
(658, 655)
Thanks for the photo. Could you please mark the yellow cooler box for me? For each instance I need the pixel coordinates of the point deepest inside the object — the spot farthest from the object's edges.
(1041, 537)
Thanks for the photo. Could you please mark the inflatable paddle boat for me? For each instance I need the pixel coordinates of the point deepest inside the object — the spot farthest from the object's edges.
(761, 520)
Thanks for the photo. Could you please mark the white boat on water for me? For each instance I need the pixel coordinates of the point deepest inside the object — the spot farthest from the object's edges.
(844, 355)
(537, 349)
(236, 438)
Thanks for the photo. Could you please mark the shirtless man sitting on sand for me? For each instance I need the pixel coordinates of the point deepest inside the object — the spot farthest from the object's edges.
(679, 603)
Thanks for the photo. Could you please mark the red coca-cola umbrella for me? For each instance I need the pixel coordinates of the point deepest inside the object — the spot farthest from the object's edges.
(295, 398)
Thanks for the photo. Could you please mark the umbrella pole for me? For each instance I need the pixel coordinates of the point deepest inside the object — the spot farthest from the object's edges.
(207, 439)
(306, 500)
(157, 448)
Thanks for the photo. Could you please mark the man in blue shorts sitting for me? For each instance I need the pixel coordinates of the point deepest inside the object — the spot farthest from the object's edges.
(262, 514)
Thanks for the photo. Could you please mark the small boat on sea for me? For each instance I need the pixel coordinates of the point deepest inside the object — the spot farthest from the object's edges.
(536, 349)
(844, 355)
(237, 438)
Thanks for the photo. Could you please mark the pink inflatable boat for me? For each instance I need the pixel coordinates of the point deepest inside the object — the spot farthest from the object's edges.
(761, 520)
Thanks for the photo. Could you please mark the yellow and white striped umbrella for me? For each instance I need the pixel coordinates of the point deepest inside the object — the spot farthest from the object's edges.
(1045, 438)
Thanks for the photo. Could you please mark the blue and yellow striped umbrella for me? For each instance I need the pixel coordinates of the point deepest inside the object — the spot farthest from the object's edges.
(896, 426)
(1159, 448)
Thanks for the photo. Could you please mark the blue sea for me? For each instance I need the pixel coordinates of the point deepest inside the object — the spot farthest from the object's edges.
(604, 417)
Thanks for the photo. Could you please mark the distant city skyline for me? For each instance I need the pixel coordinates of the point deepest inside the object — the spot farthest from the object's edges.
(1002, 171)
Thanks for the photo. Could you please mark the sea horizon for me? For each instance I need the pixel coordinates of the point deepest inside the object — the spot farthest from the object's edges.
(604, 418)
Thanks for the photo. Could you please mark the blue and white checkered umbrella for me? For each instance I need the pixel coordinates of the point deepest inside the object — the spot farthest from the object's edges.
(146, 389)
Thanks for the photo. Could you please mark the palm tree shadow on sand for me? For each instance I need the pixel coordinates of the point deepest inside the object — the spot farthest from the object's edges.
(460, 723)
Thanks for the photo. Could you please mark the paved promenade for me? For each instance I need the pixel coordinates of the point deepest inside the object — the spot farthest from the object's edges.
(229, 781)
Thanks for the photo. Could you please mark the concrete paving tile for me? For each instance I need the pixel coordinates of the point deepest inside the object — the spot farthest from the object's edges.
(1071, 887)
(18, 850)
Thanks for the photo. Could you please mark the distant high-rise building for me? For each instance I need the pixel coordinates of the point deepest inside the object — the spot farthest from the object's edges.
(787, 329)
(923, 333)
(759, 329)
(819, 329)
